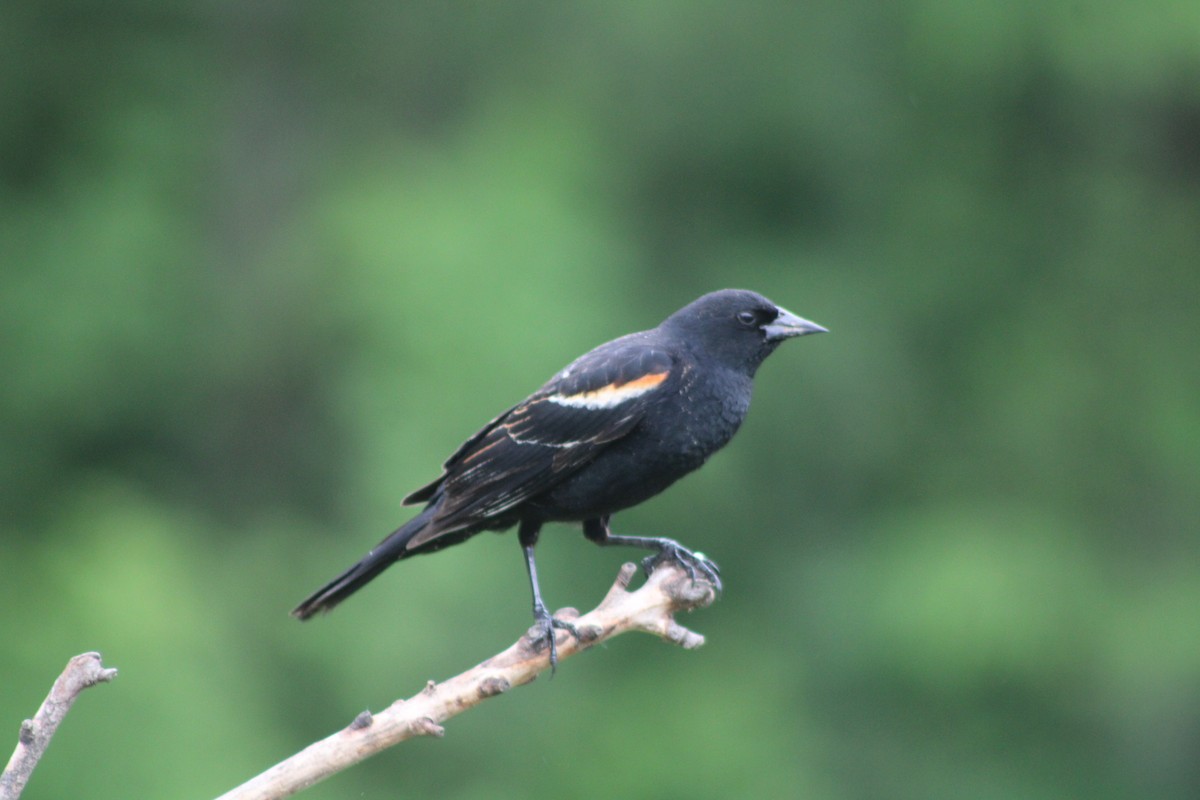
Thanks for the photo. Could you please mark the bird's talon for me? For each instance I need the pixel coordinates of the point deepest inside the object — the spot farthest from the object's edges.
(542, 635)
(689, 561)
(563, 625)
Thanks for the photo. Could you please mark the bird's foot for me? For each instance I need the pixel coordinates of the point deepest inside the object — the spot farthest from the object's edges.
(692, 562)
(542, 634)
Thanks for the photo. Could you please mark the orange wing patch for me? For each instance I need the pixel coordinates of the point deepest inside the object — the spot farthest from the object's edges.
(613, 394)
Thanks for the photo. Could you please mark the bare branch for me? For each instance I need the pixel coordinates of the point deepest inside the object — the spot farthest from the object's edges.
(81, 672)
(668, 590)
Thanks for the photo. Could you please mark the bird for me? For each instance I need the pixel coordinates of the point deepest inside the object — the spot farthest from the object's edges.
(612, 429)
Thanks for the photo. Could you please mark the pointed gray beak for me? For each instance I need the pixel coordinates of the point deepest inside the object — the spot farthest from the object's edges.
(787, 325)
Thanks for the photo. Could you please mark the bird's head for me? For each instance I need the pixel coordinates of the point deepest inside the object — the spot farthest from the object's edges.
(738, 327)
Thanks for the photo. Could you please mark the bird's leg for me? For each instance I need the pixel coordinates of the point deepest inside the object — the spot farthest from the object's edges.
(545, 621)
(597, 530)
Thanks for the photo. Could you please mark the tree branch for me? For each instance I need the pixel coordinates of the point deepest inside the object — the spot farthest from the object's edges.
(81, 672)
(668, 590)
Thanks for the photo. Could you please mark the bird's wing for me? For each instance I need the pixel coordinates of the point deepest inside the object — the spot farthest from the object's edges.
(595, 401)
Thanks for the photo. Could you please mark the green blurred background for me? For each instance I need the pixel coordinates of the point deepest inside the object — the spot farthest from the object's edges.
(264, 265)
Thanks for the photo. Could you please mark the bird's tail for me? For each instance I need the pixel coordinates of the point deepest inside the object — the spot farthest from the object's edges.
(382, 556)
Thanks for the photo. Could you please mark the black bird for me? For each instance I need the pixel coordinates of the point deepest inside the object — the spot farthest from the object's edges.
(615, 427)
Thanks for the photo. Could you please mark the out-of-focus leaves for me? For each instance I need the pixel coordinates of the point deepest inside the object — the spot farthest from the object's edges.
(263, 267)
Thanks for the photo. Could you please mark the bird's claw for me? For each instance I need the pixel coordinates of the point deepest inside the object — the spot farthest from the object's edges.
(543, 629)
(691, 562)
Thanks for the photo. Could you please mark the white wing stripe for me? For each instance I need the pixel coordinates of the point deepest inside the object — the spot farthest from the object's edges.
(611, 395)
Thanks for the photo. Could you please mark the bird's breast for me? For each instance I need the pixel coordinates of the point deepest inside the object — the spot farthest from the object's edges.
(708, 411)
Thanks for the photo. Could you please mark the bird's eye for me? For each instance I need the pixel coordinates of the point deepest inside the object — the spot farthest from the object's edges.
(747, 318)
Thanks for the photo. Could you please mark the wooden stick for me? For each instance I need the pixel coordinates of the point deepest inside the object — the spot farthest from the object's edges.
(82, 671)
(649, 609)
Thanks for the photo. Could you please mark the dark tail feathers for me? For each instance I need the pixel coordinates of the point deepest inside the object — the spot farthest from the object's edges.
(380, 558)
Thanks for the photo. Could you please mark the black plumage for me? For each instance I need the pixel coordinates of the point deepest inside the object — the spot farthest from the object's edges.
(615, 427)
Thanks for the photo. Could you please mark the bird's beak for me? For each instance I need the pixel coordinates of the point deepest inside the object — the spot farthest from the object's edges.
(787, 325)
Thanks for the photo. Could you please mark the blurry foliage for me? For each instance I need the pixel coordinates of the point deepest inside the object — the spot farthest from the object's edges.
(264, 265)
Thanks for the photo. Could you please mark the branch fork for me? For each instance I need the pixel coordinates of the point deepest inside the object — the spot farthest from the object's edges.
(650, 609)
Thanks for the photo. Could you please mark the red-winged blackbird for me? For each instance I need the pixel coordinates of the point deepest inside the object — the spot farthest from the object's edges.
(615, 427)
